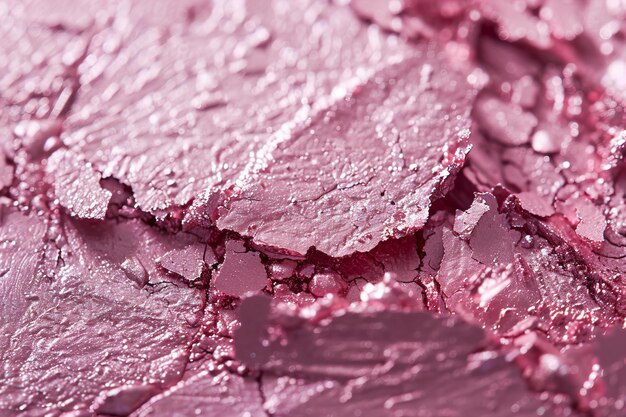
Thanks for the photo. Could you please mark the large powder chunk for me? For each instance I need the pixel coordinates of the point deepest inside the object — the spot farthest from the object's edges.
(276, 208)
(174, 113)
(369, 361)
(362, 170)
(87, 328)
(512, 273)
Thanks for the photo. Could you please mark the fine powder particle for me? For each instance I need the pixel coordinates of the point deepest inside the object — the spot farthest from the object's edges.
(312, 208)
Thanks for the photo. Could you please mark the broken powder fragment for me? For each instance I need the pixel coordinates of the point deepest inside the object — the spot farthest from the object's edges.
(592, 222)
(492, 239)
(457, 266)
(504, 122)
(283, 269)
(135, 271)
(465, 221)
(93, 329)
(358, 361)
(151, 97)
(515, 269)
(362, 170)
(241, 271)
(535, 204)
(77, 185)
(324, 283)
(188, 262)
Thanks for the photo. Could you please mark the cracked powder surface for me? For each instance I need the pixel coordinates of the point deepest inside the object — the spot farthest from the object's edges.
(312, 207)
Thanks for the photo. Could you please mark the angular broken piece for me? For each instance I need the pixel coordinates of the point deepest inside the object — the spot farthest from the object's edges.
(188, 262)
(77, 185)
(317, 151)
(376, 359)
(506, 270)
(362, 170)
(241, 271)
(176, 113)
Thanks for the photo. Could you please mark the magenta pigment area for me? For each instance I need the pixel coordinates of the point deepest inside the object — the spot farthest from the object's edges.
(293, 208)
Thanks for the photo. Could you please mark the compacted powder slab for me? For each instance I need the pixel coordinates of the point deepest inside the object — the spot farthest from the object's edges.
(312, 207)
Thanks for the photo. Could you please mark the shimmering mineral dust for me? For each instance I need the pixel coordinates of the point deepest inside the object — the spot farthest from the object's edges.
(312, 208)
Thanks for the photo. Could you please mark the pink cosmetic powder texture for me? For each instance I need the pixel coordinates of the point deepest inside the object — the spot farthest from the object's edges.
(268, 208)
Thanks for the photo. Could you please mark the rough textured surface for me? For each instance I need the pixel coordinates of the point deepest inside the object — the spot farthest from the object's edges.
(236, 115)
(369, 362)
(220, 100)
(207, 394)
(86, 328)
(312, 207)
(338, 182)
(189, 262)
(78, 186)
(526, 279)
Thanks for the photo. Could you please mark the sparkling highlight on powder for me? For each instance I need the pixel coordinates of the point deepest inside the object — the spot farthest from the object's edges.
(312, 208)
